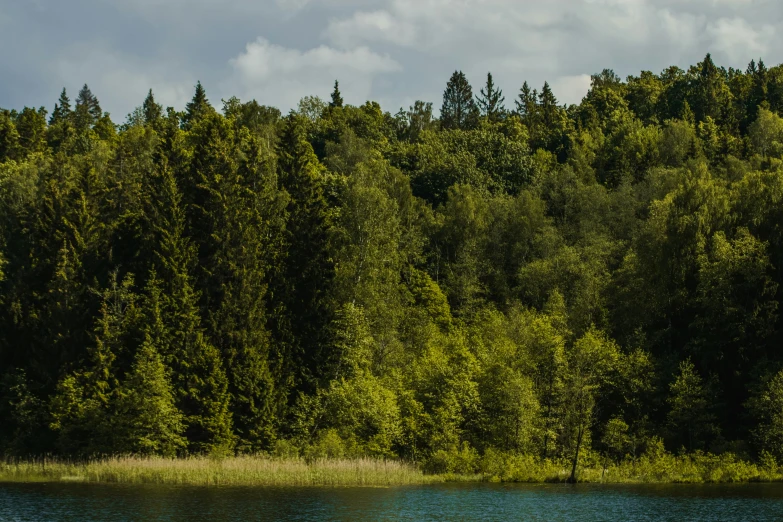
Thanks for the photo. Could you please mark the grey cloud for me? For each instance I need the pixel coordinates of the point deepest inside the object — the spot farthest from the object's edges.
(394, 51)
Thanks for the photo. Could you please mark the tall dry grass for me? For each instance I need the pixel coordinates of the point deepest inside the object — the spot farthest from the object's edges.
(205, 471)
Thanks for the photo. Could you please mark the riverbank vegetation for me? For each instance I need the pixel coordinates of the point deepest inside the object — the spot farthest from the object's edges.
(517, 290)
(493, 466)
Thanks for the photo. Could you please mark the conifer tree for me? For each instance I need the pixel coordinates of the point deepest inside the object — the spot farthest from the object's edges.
(88, 110)
(459, 110)
(337, 99)
(60, 123)
(526, 104)
(153, 112)
(81, 408)
(62, 109)
(9, 137)
(711, 92)
(200, 383)
(145, 418)
(235, 220)
(196, 108)
(548, 104)
(689, 417)
(302, 283)
(491, 101)
(31, 126)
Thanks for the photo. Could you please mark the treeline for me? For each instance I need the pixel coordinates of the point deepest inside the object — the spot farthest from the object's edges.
(513, 277)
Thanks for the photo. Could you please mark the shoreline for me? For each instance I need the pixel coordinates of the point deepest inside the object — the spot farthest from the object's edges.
(262, 471)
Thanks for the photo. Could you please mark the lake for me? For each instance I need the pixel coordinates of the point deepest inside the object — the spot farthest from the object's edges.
(58, 501)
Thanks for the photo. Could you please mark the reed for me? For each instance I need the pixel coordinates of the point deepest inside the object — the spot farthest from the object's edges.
(205, 471)
(368, 472)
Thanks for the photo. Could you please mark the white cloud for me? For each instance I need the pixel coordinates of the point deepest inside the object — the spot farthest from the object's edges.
(571, 89)
(126, 47)
(120, 80)
(281, 76)
(738, 40)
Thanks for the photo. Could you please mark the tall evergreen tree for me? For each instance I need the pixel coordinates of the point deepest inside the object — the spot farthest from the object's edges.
(337, 98)
(88, 110)
(31, 125)
(235, 219)
(146, 420)
(491, 101)
(200, 382)
(526, 104)
(302, 284)
(60, 123)
(153, 112)
(62, 109)
(459, 110)
(196, 108)
(9, 137)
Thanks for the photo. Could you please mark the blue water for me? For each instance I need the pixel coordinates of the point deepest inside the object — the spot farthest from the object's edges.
(83, 502)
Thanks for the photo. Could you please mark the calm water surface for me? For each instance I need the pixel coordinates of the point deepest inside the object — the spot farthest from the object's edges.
(80, 502)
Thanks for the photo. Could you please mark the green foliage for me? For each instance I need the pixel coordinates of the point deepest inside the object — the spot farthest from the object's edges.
(459, 110)
(689, 416)
(553, 293)
(768, 408)
(146, 420)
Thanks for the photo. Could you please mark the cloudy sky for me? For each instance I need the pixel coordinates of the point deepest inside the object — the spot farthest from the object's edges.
(392, 51)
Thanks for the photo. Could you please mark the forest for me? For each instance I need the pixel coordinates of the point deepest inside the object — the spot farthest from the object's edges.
(509, 276)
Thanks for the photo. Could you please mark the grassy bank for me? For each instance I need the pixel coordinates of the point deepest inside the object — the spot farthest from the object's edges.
(202, 471)
(265, 471)
(663, 468)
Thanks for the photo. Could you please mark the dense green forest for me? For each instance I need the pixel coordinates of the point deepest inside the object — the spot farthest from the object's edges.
(514, 276)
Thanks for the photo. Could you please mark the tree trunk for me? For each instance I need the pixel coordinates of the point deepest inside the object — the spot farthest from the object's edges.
(572, 478)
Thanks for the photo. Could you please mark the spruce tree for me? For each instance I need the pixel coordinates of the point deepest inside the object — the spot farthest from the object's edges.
(459, 110)
(491, 101)
(234, 219)
(689, 417)
(9, 137)
(303, 280)
(153, 112)
(337, 99)
(526, 104)
(81, 407)
(31, 126)
(548, 104)
(146, 420)
(62, 109)
(60, 123)
(199, 379)
(196, 108)
(88, 110)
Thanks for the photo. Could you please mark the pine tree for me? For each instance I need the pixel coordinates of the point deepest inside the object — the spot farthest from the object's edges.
(303, 281)
(234, 220)
(81, 407)
(60, 124)
(88, 110)
(548, 105)
(31, 125)
(491, 101)
(459, 110)
(153, 112)
(196, 108)
(145, 418)
(199, 379)
(337, 99)
(526, 104)
(9, 137)
(62, 109)
(689, 416)
(711, 92)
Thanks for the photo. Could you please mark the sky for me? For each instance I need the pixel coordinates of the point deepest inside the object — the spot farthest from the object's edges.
(390, 51)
